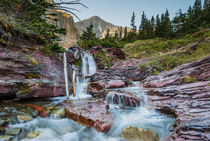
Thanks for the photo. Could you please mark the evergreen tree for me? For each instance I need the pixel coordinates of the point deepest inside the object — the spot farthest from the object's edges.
(206, 13)
(107, 34)
(158, 26)
(133, 22)
(116, 35)
(152, 27)
(88, 34)
(125, 34)
(142, 28)
(120, 32)
(178, 21)
(153, 21)
(197, 13)
(167, 25)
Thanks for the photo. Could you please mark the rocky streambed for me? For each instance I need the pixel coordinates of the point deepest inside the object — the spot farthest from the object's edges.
(88, 119)
(173, 105)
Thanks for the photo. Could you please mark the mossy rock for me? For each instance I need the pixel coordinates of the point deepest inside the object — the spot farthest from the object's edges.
(32, 60)
(189, 79)
(6, 138)
(14, 131)
(32, 75)
(136, 134)
(33, 134)
(23, 89)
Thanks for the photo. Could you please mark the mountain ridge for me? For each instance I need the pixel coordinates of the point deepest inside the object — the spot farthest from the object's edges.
(100, 26)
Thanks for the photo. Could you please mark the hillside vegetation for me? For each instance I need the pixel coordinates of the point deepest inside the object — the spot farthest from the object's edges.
(165, 54)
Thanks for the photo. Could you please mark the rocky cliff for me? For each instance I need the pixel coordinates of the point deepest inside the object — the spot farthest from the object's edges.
(65, 20)
(25, 71)
(100, 26)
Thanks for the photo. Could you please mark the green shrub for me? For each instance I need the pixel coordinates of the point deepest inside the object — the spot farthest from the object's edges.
(189, 79)
(143, 66)
(102, 60)
(56, 48)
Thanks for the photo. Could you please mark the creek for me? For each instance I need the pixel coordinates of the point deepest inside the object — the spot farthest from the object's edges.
(55, 128)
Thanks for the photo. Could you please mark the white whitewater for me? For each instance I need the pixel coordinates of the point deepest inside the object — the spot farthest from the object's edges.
(88, 65)
(88, 69)
(49, 129)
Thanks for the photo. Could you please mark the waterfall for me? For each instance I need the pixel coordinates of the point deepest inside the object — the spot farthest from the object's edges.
(65, 74)
(88, 65)
(88, 69)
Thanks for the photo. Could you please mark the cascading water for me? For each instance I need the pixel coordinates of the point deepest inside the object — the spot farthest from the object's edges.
(88, 69)
(141, 117)
(50, 129)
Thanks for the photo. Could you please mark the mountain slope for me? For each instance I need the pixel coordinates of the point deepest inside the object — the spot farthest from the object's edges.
(100, 26)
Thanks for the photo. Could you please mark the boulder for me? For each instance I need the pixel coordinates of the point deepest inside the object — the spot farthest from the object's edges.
(118, 52)
(123, 98)
(137, 134)
(99, 88)
(6, 138)
(91, 113)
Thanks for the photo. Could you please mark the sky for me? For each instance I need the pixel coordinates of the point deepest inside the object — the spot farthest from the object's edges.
(119, 12)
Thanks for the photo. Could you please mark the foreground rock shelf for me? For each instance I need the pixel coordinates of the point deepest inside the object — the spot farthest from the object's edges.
(90, 112)
(189, 102)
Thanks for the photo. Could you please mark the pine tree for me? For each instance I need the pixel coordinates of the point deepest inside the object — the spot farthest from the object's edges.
(133, 22)
(120, 32)
(116, 36)
(88, 34)
(158, 26)
(153, 21)
(152, 27)
(142, 28)
(197, 13)
(167, 25)
(125, 34)
(107, 34)
(179, 21)
(206, 13)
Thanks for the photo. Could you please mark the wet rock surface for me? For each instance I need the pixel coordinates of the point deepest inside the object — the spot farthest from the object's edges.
(12, 113)
(136, 134)
(30, 75)
(123, 98)
(91, 113)
(189, 102)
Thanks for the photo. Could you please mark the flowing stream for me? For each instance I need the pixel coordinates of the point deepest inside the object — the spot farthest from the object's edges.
(88, 69)
(52, 129)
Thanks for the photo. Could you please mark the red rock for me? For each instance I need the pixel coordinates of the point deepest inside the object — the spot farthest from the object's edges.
(31, 75)
(112, 84)
(42, 111)
(117, 52)
(99, 85)
(197, 69)
(190, 103)
(91, 113)
(124, 98)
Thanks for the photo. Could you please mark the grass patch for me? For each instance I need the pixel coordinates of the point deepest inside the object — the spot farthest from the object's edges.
(168, 54)
(189, 79)
(33, 60)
